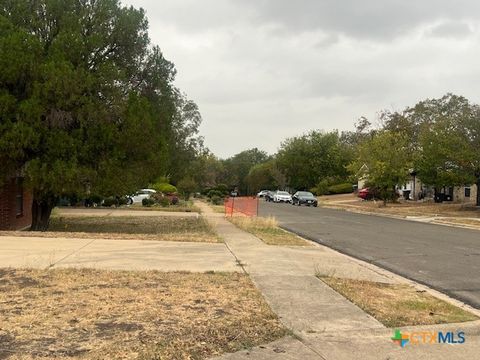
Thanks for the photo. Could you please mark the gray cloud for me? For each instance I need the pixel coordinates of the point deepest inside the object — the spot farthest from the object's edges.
(451, 29)
(264, 70)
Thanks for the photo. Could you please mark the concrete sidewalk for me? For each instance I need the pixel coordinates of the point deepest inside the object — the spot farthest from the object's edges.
(325, 324)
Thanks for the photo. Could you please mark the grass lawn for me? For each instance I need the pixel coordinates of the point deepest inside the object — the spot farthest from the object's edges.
(183, 207)
(169, 228)
(219, 209)
(267, 230)
(71, 313)
(403, 208)
(396, 305)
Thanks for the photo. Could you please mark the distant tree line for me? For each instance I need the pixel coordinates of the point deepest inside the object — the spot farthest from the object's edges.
(437, 139)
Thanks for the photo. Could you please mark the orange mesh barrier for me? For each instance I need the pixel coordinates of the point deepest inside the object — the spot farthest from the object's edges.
(241, 205)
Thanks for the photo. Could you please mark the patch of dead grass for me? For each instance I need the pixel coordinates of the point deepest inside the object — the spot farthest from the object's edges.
(470, 222)
(396, 305)
(195, 229)
(403, 208)
(95, 314)
(267, 230)
(219, 209)
(188, 207)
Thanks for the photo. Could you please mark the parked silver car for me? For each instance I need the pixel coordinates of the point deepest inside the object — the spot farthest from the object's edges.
(282, 196)
(139, 196)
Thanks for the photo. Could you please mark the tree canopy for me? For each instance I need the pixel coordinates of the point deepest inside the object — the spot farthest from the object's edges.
(87, 104)
(309, 158)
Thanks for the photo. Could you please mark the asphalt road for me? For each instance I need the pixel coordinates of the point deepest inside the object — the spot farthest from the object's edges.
(444, 258)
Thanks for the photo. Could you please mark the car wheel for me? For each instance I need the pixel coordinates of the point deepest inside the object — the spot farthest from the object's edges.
(315, 205)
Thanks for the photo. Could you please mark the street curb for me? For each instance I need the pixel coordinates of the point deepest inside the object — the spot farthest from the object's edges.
(388, 272)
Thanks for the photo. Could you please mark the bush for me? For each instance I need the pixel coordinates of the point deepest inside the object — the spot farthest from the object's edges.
(222, 188)
(164, 188)
(322, 187)
(148, 202)
(217, 200)
(96, 199)
(344, 188)
(164, 202)
(213, 193)
(110, 201)
(187, 186)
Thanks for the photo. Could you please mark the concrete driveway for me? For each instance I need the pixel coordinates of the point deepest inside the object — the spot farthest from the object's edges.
(40, 252)
(444, 258)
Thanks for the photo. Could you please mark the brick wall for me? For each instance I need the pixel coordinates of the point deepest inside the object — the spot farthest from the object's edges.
(9, 219)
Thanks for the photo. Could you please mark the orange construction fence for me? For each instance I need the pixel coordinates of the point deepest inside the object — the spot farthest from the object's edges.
(241, 205)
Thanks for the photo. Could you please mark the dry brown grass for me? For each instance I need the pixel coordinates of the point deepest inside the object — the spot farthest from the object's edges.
(219, 209)
(469, 222)
(396, 305)
(404, 208)
(185, 237)
(268, 231)
(93, 314)
(140, 228)
(184, 207)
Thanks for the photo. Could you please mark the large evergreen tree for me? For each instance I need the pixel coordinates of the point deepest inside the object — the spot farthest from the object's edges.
(86, 103)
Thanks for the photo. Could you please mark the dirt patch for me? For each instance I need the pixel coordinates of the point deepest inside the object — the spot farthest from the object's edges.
(268, 231)
(70, 313)
(396, 305)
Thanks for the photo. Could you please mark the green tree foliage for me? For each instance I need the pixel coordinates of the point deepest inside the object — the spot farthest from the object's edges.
(164, 188)
(385, 161)
(237, 167)
(448, 153)
(206, 170)
(308, 159)
(86, 103)
(187, 186)
(265, 176)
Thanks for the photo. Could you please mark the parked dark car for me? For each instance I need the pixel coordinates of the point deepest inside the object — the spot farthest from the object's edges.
(305, 198)
(269, 196)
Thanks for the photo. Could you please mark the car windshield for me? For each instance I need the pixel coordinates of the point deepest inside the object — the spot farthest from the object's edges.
(282, 193)
(305, 194)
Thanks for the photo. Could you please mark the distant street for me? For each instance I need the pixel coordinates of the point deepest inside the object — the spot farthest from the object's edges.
(444, 258)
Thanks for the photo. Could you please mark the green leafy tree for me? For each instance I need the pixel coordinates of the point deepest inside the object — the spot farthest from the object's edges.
(471, 127)
(187, 186)
(308, 159)
(385, 161)
(86, 104)
(206, 170)
(265, 176)
(237, 167)
(447, 141)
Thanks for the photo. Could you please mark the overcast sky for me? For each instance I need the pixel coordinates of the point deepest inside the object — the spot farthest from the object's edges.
(265, 70)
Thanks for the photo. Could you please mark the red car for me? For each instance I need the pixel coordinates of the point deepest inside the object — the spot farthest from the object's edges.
(365, 194)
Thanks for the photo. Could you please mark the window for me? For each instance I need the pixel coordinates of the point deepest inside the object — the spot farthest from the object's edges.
(19, 196)
(467, 192)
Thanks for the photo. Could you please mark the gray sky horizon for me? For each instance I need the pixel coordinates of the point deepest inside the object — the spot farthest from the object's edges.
(261, 71)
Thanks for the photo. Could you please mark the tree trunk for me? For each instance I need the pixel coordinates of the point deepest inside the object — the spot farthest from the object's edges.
(42, 207)
(478, 190)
